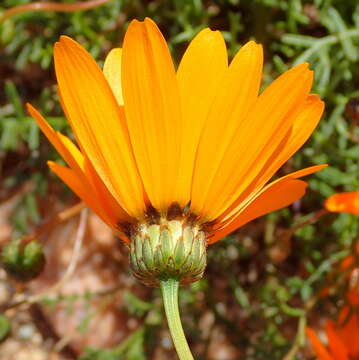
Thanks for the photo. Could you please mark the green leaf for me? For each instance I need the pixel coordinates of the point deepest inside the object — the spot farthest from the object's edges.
(14, 98)
(349, 49)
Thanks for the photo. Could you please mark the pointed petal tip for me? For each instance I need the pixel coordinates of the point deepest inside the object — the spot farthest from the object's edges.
(302, 73)
(148, 20)
(58, 46)
(307, 171)
(54, 166)
(66, 43)
(65, 39)
(151, 26)
(300, 67)
(322, 166)
(210, 36)
(35, 114)
(303, 172)
(135, 22)
(313, 98)
(134, 27)
(29, 107)
(51, 164)
(209, 31)
(252, 43)
(253, 48)
(149, 23)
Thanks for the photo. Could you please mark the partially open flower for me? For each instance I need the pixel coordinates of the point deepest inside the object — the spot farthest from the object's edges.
(342, 336)
(175, 160)
(343, 202)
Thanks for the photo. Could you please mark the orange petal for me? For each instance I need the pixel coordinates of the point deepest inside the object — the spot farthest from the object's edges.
(87, 173)
(349, 325)
(200, 72)
(113, 209)
(336, 346)
(353, 294)
(343, 202)
(318, 347)
(90, 195)
(65, 147)
(53, 137)
(96, 120)
(276, 196)
(304, 172)
(112, 71)
(306, 118)
(80, 165)
(242, 201)
(262, 131)
(83, 190)
(236, 95)
(152, 110)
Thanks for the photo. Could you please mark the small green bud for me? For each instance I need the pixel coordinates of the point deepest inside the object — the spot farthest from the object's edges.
(23, 262)
(170, 249)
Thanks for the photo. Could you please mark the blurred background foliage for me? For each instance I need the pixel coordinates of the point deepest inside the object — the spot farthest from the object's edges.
(261, 281)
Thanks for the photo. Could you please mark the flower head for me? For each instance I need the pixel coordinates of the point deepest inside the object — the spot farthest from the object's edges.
(197, 145)
(343, 202)
(342, 336)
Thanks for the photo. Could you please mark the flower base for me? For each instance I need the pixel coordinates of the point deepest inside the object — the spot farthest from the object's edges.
(169, 249)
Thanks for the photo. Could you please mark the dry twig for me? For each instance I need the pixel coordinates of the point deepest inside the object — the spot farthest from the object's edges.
(53, 221)
(51, 6)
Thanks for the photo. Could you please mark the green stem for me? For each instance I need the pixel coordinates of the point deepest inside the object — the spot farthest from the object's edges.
(169, 290)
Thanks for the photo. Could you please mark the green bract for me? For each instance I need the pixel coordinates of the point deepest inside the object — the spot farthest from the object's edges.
(23, 262)
(171, 249)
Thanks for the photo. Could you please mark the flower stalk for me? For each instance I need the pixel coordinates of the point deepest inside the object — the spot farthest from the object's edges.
(169, 289)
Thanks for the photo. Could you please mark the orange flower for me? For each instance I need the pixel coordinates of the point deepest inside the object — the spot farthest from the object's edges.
(201, 142)
(343, 337)
(350, 262)
(348, 270)
(343, 202)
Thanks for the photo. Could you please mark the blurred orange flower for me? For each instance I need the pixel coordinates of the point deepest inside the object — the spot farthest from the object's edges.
(348, 270)
(351, 262)
(343, 336)
(343, 202)
(200, 141)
